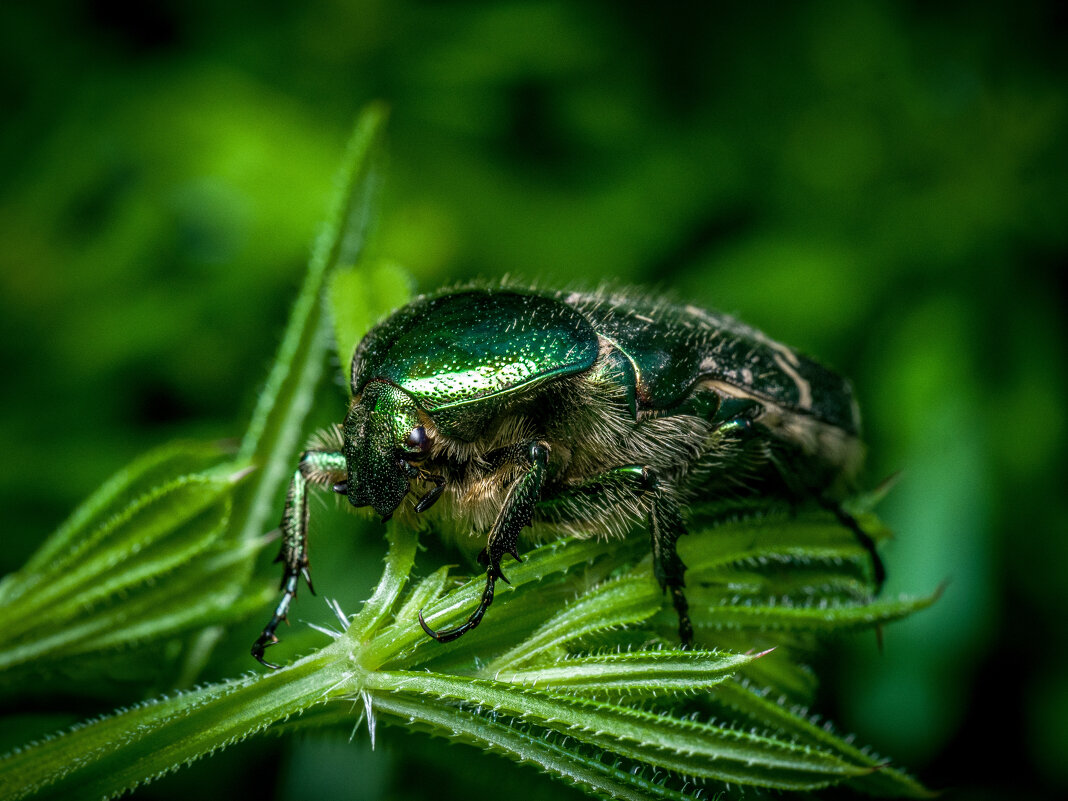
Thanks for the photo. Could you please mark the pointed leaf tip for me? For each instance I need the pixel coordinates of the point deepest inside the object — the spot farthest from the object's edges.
(239, 475)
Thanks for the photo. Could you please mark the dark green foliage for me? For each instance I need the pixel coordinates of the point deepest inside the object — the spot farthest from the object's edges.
(879, 184)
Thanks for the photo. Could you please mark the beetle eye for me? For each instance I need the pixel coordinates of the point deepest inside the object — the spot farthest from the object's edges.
(417, 442)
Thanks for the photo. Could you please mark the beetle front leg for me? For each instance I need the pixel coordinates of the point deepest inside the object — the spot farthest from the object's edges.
(322, 468)
(515, 514)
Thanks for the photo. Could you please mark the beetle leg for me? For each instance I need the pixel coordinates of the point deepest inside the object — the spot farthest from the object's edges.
(515, 514)
(322, 468)
(665, 528)
(620, 486)
(790, 471)
(850, 522)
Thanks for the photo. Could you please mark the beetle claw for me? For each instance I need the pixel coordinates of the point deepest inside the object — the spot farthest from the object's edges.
(448, 635)
(307, 578)
(430, 632)
(445, 635)
(265, 641)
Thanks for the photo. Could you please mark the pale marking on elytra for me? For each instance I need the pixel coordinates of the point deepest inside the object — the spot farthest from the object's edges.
(788, 362)
(804, 390)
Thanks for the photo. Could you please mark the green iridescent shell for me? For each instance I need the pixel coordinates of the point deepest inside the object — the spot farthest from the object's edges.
(459, 349)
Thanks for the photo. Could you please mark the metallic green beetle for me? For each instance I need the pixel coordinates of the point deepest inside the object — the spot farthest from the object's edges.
(581, 414)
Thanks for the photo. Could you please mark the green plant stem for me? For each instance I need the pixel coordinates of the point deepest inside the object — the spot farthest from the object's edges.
(275, 429)
(104, 758)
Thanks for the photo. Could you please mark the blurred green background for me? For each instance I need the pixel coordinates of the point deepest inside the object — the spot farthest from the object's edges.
(884, 185)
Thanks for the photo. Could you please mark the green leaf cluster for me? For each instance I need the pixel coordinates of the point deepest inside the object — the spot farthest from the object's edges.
(572, 672)
(144, 558)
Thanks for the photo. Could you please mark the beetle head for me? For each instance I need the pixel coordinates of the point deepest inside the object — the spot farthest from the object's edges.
(379, 446)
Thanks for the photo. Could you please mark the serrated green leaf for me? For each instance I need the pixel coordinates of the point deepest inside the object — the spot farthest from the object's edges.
(137, 479)
(197, 594)
(767, 709)
(778, 613)
(635, 673)
(772, 539)
(88, 597)
(784, 668)
(684, 746)
(807, 580)
(200, 593)
(606, 742)
(543, 748)
(93, 562)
